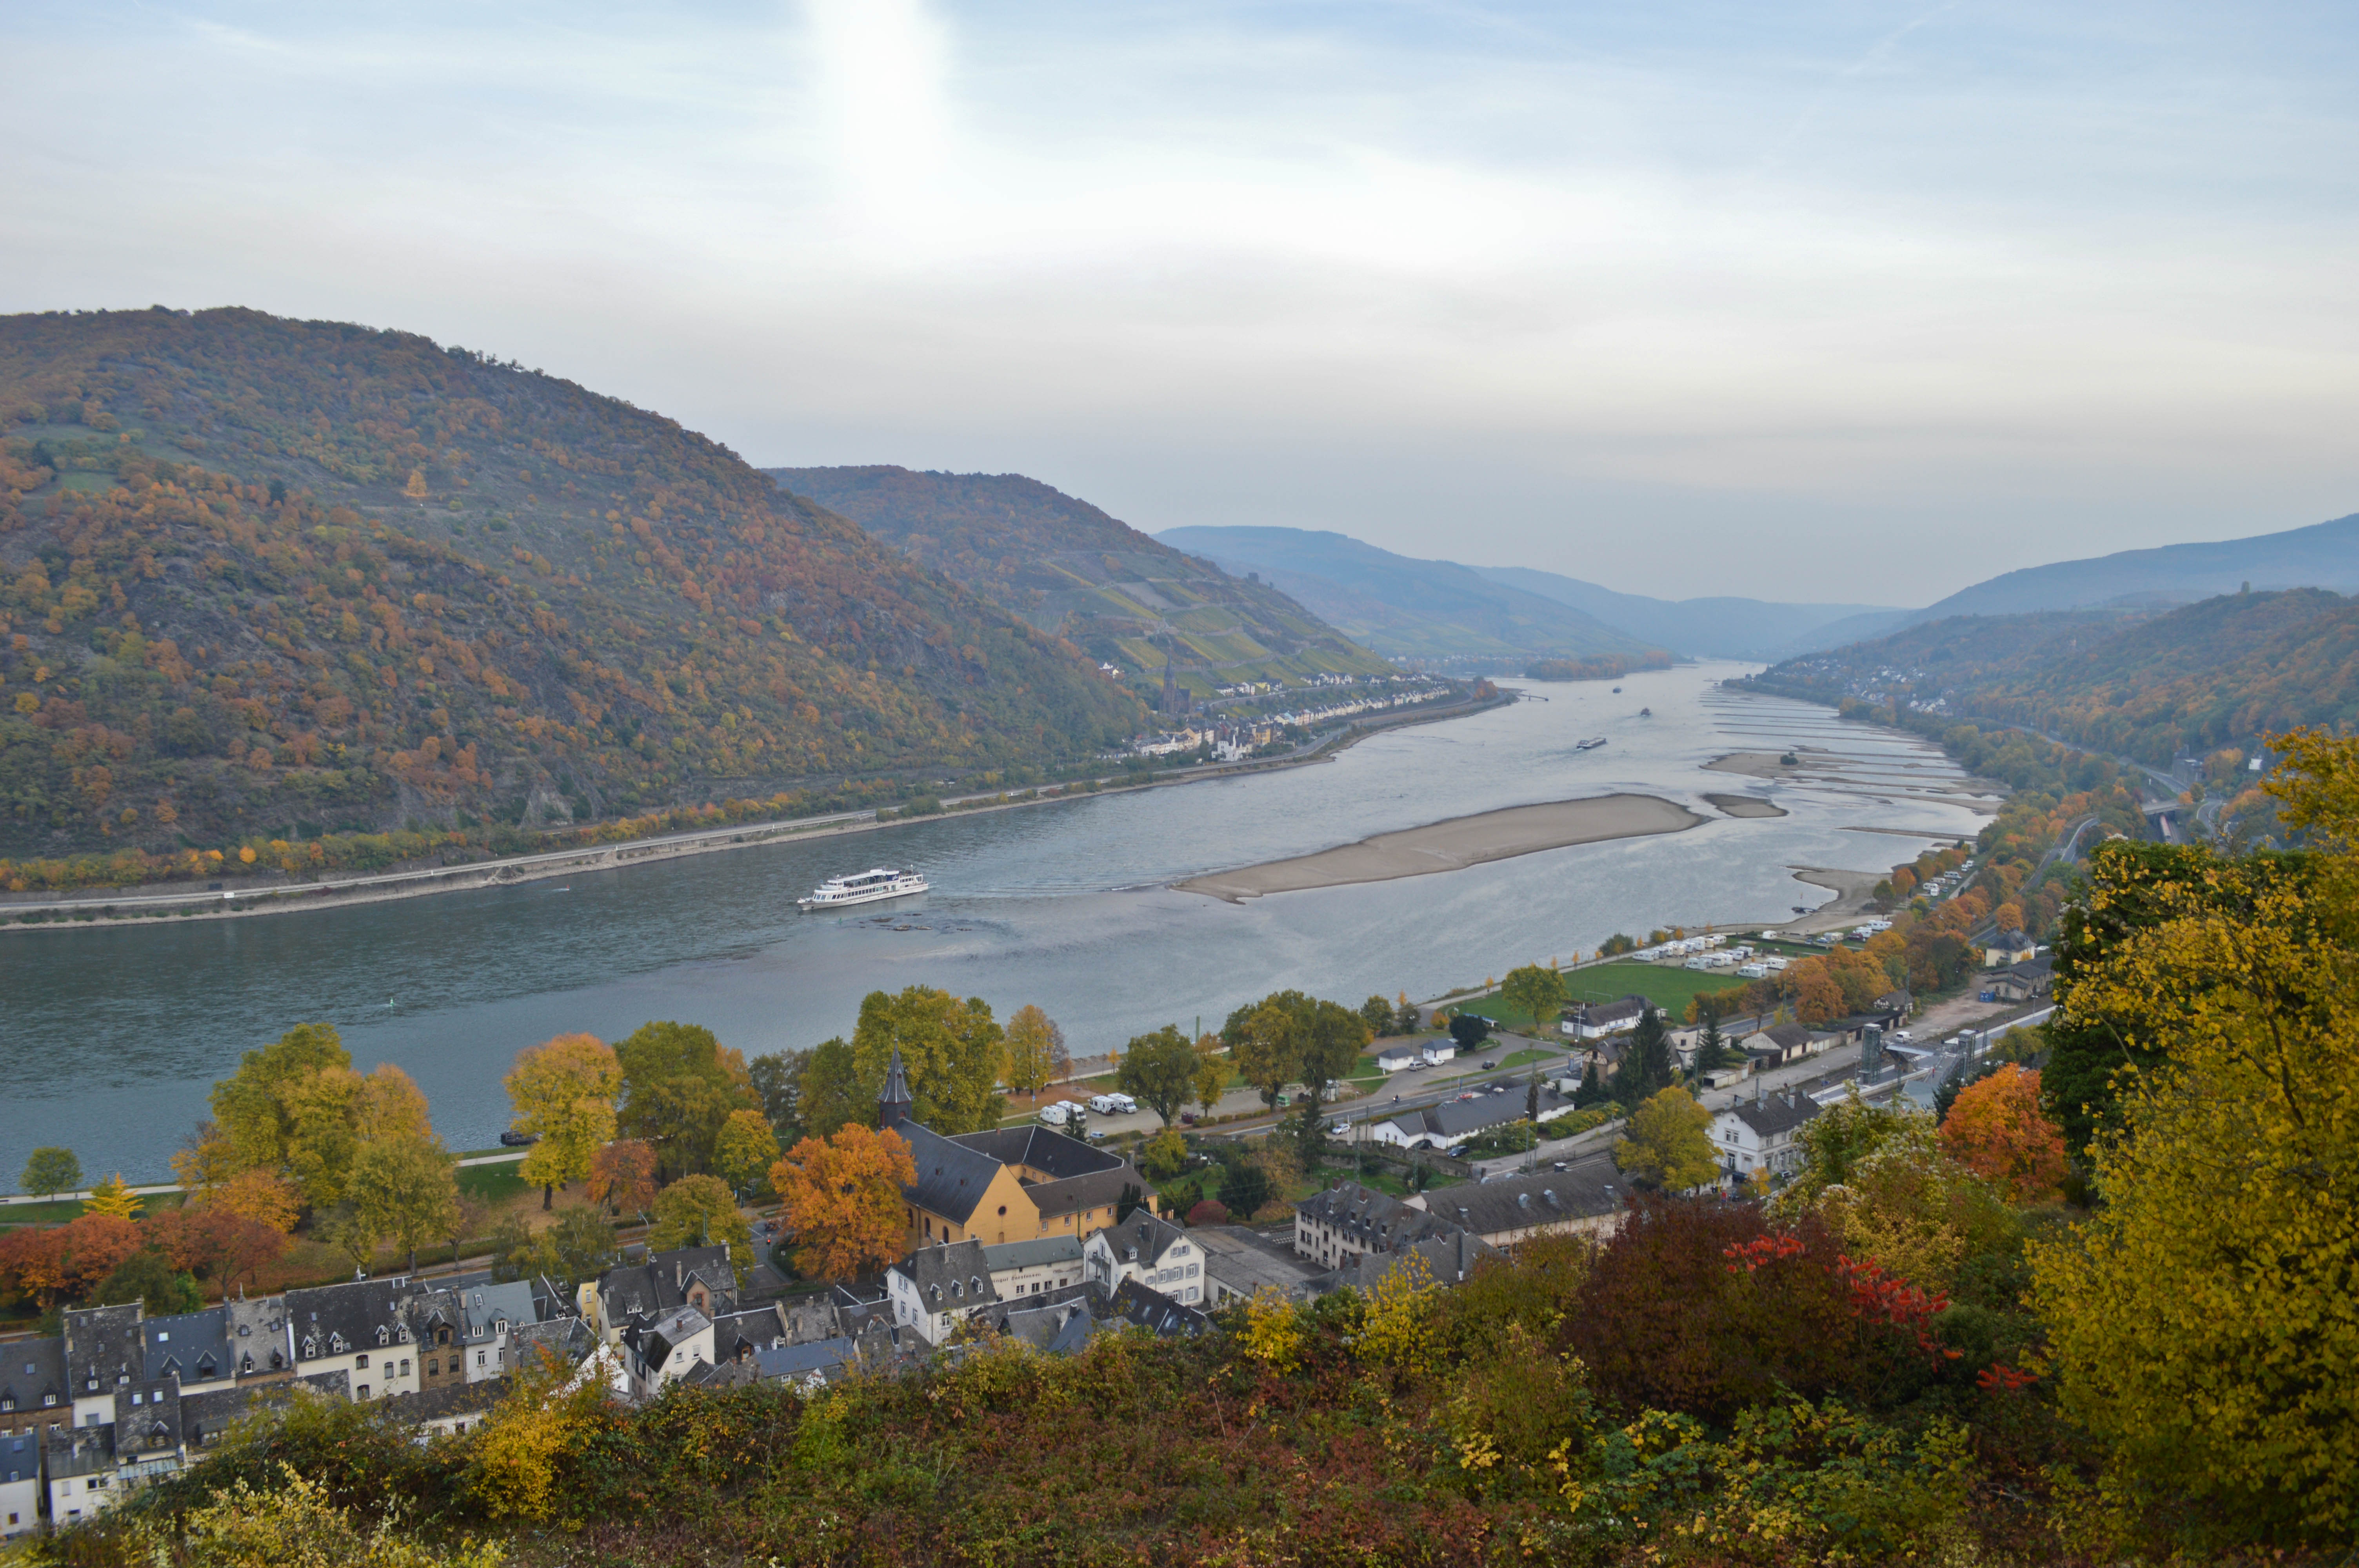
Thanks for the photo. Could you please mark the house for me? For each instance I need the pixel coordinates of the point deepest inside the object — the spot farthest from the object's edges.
(1400, 1057)
(1764, 1134)
(1151, 1251)
(1586, 1198)
(1143, 1306)
(2027, 982)
(1435, 1051)
(468, 1334)
(1459, 1121)
(1238, 1263)
(670, 1345)
(80, 1464)
(1780, 1044)
(192, 1346)
(360, 1327)
(452, 1410)
(1597, 1020)
(1060, 1325)
(1033, 1268)
(936, 1288)
(2009, 947)
(20, 1484)
(33, 1395)
(639, 1292)
(1446, 1258)
(1333, 1227)
(807, 1366)
(1002, 1185)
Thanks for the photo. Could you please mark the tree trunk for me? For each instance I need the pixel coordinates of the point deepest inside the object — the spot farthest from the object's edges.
(547, 1198)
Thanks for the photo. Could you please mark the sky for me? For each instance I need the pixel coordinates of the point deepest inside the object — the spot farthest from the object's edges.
(1843, 301)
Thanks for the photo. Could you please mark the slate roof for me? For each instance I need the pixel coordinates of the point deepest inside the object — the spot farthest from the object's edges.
(1046, 1150)
(952, 1177)
(953, 1277)
(482, 1307)
(1450, 1257)
(669, 1333)
(193, 1346)
(147, 1417)
(1787, 1037)
(757, 1328)
(450, 1402)
(568, 1339)
(78, 1451)
(1611, 1014)
(1051, 1325)
(1773, 1114)
(1587, 1190)
(831, 1358)
(335, 1320)
(1377, 1221)
(1456, 1120)
(258, 1335)
(30, 1368)
(1047, 1252)
(651, 1288)
(1151, 1309)
(103, 1347)
(1143, 1239)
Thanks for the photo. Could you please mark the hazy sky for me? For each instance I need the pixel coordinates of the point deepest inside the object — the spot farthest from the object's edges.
(1856, 302)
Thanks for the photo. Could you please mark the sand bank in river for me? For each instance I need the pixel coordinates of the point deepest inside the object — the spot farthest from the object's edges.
(1449, 846)
(1746, 806)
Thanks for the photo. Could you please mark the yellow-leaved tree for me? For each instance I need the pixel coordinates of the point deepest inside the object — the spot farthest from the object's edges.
(563, 1091)
(2202, 1321)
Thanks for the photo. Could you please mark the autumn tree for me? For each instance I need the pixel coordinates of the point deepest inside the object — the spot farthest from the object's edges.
(1536, 992)
(776, 1079)
(51, 1171)
(701, 1211)
(680, 1087)
(2200, 1322)
(563, 1093)
(578, 1245)
(841, 1198)
(748, 1148)
(1036, 1051)
(250, 1108)
(1211, 1079)
(1667, 1143)
(1265, 1046)
(1996, 1128)
(113, 1196)
(623, 1177)
(212, 1242)
(1160, 1069)
(952, 1053)
(404, 1189)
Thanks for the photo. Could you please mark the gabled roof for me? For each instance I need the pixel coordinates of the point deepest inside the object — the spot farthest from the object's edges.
(828, 1357)
(1375, 1221)
(482, 1308)
(336, 1320)
(1786, 1036)
(1773, 1114)
(953, 1277)
(757, 1328)
(1587, 1190)
(669, 1333)
(1151, 1309)
(193, 1346)
(1449, 1256)
(1240, 1259)
(30, 1368)
(1142, 1239)
(103, 1347)
(661, 1282)
(952, 1177)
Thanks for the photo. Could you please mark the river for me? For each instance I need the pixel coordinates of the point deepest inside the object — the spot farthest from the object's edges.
(114, 1035)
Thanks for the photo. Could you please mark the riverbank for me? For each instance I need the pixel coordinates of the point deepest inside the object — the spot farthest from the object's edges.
(138, 907)
(1453, 844)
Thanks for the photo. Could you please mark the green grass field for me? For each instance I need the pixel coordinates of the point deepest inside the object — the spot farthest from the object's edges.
(1667, 986)
(492, 1183)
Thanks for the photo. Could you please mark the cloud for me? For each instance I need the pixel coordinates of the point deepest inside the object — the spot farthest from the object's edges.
(1808, 287)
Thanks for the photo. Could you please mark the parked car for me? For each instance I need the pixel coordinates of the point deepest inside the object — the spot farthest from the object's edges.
(1488, 1065)
(1187, 1119)
(1283, 1102)
(1341, 1130)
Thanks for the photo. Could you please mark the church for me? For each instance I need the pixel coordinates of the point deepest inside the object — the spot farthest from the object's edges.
(1010, 1183)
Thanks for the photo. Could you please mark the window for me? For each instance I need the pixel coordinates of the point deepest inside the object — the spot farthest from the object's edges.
(364, 1393)
(135, 1399)
(433, 1368)
(361, 1360)
(479, 1357)
(404, 1365)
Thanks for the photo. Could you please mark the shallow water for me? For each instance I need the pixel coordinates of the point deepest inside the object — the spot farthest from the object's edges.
(113, 1036)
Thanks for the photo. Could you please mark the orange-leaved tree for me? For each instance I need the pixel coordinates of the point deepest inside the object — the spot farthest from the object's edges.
(841, 1200)
(1997, 1129)
(623, 1175)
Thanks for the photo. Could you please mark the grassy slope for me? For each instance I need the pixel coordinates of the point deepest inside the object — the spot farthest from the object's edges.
(259, 577)
(1067, 566)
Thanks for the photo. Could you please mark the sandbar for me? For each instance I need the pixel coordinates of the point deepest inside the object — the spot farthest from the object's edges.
(1454, 844)
(1755, 764)
(1746, 806)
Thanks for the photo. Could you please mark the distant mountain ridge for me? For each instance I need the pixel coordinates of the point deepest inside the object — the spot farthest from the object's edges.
(286, 579)
(1070, 568)
(2323, 555)
(1720, 627)
(1409, 609)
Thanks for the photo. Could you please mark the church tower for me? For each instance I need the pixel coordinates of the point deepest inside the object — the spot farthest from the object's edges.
(892, 1105)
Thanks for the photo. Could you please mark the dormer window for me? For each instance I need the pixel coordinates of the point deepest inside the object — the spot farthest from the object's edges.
(123, 1379)
(384, 1335)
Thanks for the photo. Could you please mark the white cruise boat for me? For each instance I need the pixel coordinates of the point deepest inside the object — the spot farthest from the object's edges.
(865, 887)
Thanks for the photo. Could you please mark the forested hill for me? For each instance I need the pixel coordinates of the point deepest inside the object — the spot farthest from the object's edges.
(262, 578)
(1068, 567)
(2135, 681)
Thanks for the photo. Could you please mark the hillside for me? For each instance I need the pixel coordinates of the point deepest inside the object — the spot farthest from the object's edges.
(1069, 568)
(2324, 555)
(1716, 628)
(1433, 612)
(2137, 681)
(273, 580)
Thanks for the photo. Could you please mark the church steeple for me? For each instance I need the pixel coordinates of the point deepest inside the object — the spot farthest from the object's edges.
(892, 1105)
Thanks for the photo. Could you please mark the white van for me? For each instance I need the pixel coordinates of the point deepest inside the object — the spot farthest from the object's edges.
(1056, 1114)
(1102, 1104)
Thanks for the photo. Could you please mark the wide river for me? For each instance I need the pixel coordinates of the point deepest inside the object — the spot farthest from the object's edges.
(113, 1036)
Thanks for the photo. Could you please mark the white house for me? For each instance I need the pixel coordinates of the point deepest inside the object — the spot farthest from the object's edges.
(1154, 1252)
(1398, 1058)
(676, 1344)
(1763, 1135)
(1437, 1052)
(1033, 1268)
(935, 1288)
